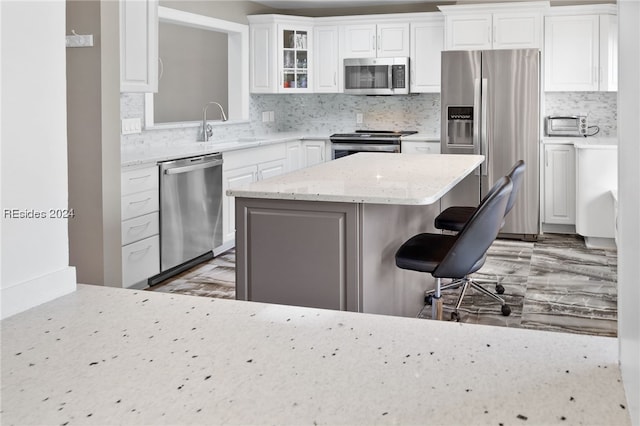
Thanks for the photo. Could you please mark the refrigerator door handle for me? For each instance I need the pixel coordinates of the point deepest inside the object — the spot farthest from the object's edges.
(484, 167)
(476, 116)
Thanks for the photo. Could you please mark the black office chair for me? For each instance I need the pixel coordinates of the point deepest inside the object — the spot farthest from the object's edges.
(458, 256)
(454, 218)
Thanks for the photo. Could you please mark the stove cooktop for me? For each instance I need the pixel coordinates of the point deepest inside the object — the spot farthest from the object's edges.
(364, 136)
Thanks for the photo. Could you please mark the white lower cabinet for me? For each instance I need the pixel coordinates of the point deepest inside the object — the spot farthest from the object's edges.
(313, 152)
(293, 156)
(140, 226)
(419, 147)
(271, 169)
(140, 260)
(245, 166)
(306, 153)
(559, 184)
(254, 164)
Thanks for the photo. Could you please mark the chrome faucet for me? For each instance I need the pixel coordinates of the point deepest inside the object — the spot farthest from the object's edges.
(207, 130)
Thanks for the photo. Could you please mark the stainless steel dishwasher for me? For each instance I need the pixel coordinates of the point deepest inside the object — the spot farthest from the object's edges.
(190, 213)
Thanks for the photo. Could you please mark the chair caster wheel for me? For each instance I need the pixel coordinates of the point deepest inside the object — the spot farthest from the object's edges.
(506, 310)
(428, 300)
(455, 317)
(499, 289)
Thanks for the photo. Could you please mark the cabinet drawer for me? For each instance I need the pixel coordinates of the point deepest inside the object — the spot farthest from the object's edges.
(140, 228)
(421, 147)
(252, 156)
(139, 204)
(140, 260)
(139, 180)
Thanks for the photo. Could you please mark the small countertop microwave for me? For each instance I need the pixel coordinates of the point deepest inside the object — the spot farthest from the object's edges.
(566, 125)
(376, 76)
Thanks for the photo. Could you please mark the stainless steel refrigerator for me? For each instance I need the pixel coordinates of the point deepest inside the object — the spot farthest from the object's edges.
(491, 106)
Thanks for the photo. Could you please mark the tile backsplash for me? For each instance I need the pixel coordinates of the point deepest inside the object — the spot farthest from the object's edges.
(324, 114)
(601, 108)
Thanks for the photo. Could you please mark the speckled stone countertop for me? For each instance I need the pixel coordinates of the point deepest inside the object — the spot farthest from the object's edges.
(421, 137)
(188, 149)
(582, 142)
(377, 178)
(105, 356)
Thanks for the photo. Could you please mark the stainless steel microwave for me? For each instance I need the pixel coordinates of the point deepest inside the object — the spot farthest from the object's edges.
(566, 125)
(376, 76)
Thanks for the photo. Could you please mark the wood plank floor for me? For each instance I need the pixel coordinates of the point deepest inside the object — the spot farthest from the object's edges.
(554, 284)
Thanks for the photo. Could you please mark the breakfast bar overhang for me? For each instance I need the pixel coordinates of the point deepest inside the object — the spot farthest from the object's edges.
(326, 236)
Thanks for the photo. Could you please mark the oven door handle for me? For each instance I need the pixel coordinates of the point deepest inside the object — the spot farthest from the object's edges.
(365, 147)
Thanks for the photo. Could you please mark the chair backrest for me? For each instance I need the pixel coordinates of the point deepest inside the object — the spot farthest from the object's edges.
(470, 248)
(515, 174)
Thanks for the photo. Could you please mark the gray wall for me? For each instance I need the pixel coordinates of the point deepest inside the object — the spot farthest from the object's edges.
(193, 72)
(93, 132)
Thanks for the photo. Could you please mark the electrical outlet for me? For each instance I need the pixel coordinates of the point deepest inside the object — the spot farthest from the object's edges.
(265, 116)
(79, 40)
(359, 118)
(131, 126)
(272, 116)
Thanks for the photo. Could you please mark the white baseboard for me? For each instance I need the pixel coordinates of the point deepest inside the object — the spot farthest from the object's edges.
(25, 295)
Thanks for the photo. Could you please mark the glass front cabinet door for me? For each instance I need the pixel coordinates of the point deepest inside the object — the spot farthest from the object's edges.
(294, 58)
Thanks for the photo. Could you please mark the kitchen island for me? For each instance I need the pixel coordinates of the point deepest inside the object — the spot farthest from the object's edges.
(326, 236)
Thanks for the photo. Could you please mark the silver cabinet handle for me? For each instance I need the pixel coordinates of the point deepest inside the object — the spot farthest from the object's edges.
(140, 252)
(186, 169)
(146, 200)
(139, 177)
(142, 228)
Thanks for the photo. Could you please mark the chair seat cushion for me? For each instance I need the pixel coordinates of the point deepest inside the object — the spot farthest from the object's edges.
(424, 252)
(454, 218)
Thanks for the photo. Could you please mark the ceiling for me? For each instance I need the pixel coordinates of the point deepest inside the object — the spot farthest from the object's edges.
(319, 4)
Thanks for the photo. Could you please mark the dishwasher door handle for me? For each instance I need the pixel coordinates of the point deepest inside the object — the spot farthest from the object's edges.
(191, 168)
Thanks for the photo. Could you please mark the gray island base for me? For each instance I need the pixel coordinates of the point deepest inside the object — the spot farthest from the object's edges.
(326, 236)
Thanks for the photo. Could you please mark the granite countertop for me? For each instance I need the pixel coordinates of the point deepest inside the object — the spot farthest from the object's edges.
(190, 148)
(421, 137)
(596, 143)
(106, 356)
(581, 142)
(376, 178)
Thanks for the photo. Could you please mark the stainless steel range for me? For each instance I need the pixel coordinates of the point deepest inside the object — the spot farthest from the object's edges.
(343, 144)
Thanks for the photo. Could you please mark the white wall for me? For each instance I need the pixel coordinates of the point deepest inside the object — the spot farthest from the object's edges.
(35, 254)
(629, 206)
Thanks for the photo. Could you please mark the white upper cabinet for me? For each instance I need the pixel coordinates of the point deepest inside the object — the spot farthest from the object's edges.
(581, 49)
(326, 59)
(517, 30)
(138, 46)
(494, 26)
(384, 40)
(427, 43)
(281, 56)
(468, 32)
(262, 72)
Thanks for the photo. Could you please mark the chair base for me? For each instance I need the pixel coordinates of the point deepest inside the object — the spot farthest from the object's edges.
(465, 283)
